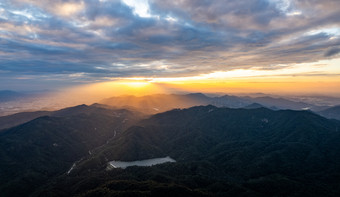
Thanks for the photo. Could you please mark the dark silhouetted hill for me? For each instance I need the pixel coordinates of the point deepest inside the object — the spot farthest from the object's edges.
(45, 147)
(219, 151)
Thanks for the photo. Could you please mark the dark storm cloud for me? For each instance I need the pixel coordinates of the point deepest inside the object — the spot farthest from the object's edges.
(176, 38)
(332, 52)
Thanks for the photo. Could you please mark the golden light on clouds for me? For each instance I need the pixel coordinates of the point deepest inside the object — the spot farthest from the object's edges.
(325, 69)
(152, 44)
(68, 9)
(322, 77)
(95, 92)
(136, 84)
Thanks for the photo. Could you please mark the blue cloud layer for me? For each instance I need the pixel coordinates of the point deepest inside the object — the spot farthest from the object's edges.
(107, 38)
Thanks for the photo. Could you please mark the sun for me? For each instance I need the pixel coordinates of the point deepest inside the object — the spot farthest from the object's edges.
(136, 84)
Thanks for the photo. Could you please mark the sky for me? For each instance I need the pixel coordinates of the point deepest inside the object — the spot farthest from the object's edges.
(290, 46)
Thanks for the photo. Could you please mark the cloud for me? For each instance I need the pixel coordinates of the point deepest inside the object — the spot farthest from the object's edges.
(332, 51)
(172, 37)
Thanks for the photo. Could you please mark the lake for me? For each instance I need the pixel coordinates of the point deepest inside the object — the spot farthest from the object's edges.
(147, 162)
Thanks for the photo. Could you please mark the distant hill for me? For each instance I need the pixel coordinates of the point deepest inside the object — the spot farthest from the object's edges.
(230, 101)
(163, 102)
(8, 95)
(253, 106)
(158, 102)
(332, 112)
(281, 103)
(22, 117)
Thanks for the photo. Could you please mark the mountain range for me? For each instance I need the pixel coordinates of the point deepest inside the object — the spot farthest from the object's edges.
(241, 148)
(219, 151)
(157, 103)
(163, 102)
(332, 112)
(8, 95)
(152, 104)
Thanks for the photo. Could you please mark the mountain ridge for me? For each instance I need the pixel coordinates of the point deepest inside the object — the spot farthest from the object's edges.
(332, 112)
(243, 147)
(165, 102)
(45, 147)
(235, 147)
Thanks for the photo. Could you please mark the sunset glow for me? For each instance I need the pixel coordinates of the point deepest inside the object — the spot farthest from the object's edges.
(276, 47)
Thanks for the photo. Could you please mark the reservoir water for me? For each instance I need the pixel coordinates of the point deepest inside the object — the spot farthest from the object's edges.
(147, 162)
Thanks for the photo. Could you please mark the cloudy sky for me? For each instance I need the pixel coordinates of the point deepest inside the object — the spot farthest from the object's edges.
(46, 44)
